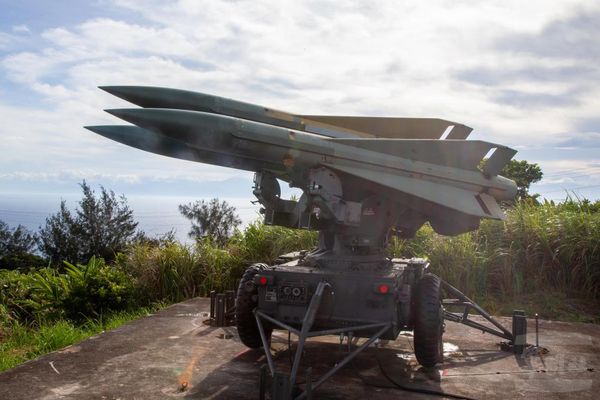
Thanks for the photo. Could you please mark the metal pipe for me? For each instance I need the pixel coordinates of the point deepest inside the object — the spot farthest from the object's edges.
(346, 360)
(278, 323)
(265, 343)
(309, 318)
(507, 335)
(345, 329)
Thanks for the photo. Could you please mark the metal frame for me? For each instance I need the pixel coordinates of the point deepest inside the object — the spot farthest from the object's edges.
(463, 318)
(304, 333)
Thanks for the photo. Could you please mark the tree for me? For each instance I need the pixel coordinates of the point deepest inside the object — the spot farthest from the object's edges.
(16, 248)
(215, 219)
(524, 174)
(101, 226)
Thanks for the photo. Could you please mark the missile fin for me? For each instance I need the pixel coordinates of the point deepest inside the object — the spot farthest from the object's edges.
(399, 128)
(464, 154)
(499, 158)
(459, 131)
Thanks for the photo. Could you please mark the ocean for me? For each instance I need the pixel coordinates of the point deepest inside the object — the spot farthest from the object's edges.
(155, 214)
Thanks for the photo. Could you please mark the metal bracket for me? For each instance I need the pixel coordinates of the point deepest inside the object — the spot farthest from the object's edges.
(517, 339)
(463, 318)
(303, 334)
(222, 308)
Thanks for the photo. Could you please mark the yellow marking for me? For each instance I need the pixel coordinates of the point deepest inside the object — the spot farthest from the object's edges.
(279, 115)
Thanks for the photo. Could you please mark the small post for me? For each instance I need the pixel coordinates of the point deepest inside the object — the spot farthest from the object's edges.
(213, 297)
(519, 331)
(309, 384)
(537, 326)
(220, 310)
(229, 307)
(262, 382)
(281, 388)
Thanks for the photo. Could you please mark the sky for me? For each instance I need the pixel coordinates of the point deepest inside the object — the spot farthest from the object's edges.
(522, 74)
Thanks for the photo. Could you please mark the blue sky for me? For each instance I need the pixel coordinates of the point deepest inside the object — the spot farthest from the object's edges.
(523, 74)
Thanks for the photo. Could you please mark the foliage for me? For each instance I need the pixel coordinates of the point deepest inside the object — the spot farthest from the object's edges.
(95, 288)
(16, 247)
(264, 243)
(15, 290)
(83, 291)
(538, 248)
(171, 272)
(524, 174)
(101, 226)
(175, 272)
(214, 219)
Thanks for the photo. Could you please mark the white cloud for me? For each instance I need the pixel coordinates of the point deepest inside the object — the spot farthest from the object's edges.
(21, 29)
(385, 58)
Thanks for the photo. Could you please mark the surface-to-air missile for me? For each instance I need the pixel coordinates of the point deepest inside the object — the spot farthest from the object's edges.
(364, 179)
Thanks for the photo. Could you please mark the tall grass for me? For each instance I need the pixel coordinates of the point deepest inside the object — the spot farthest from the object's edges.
(174, 271)
(539, 247)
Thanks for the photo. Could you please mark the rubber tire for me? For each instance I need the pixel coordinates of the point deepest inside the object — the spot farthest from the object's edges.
(245, 302)
(428, 321)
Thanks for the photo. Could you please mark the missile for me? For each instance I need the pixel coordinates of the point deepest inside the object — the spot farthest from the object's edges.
(423, 165)
(326, 125)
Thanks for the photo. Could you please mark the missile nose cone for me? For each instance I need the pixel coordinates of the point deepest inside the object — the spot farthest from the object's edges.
(109, 131)
(96, 129)
(179, 124)
(123, 92)
(124, 112)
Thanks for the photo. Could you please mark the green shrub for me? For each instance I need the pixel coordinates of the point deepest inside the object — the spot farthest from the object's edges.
(15, 291)
(95, 288)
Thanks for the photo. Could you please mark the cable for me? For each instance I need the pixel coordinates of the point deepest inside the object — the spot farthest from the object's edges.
(417, 390)
(570, 189)
(399, 386)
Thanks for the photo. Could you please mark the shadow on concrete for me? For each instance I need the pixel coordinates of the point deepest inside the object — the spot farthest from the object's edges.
(362, 378)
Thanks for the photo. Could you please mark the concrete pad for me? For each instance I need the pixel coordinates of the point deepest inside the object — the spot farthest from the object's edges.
(173, 354)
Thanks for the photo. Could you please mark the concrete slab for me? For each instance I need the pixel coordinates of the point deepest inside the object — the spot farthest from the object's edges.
(173, 354)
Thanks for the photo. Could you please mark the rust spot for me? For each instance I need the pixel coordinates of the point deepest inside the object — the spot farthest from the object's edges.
(288, 161)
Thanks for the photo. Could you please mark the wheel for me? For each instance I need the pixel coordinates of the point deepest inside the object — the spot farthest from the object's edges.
(428, 321)
(245, 302)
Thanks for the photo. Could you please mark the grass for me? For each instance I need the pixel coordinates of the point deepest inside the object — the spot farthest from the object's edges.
(19, 342)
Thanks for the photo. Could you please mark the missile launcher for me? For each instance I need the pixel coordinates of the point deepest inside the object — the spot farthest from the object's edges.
(363, 179)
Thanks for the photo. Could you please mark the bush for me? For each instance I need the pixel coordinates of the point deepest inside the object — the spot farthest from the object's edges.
(15, 291)
(95, 288)
(83, 291)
